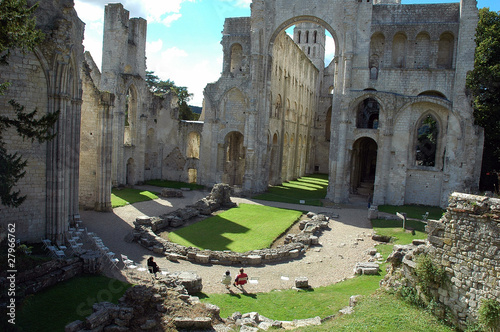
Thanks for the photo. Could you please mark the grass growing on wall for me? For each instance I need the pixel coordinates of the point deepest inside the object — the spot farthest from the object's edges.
(122, 197)
(53, 308)
(383, 312)
(311, 189)
(240, 229)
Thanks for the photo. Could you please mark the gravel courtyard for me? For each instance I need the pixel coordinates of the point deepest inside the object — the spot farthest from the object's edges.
(341, 246)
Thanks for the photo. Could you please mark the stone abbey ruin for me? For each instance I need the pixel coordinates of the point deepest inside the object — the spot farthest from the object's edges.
(387, 117)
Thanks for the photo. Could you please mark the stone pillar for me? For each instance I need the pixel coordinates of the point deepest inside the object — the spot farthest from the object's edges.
(104, 148)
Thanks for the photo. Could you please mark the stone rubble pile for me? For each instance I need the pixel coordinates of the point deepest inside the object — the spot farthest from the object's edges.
(166, 305)
(295, 245)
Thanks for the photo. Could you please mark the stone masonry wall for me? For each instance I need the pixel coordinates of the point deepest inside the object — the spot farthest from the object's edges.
(465, 242)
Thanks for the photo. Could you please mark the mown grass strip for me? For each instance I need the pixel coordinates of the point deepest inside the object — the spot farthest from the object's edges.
(247, 227)
(122, 197)
(291, 304)
(383, 312)
(52, 309)
(310, 189)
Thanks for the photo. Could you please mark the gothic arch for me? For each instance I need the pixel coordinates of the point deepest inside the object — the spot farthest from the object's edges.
(427, 140)
(363, 166)
(130, 119)
(234, 159)
(305, 18)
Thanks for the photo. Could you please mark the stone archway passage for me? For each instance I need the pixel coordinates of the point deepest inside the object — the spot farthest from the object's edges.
(364, 164)
(234, 167)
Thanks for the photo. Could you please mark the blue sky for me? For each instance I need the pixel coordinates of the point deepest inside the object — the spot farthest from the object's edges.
(183, 42)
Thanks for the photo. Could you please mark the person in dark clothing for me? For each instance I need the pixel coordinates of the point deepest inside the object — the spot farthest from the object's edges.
(152, 266)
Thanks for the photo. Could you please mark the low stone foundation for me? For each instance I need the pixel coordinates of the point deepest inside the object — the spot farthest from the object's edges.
(146, 228)
(53, 272)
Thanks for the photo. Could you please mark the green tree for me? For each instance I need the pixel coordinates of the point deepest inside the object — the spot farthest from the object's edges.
(17, 31)
(159, 87)
(484, 84)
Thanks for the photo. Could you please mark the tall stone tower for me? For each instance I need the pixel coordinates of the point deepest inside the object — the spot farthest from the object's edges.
(311, 39)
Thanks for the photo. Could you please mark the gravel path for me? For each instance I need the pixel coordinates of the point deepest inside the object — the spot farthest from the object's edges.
(341, 247)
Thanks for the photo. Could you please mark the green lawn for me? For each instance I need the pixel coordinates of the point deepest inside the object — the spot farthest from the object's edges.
(247, 227)
(382, 312)
(413, 211)
(311, 189)
(51, 309)
(174, 184)
(291, 304)
(394, 229)
(122, 197)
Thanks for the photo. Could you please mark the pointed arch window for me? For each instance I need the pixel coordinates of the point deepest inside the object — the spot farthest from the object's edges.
(427, 141)
(368, 113)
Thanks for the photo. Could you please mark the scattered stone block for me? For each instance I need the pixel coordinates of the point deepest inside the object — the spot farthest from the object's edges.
(381, 238)
(302, 282)
(254, 259)
(202, 258)
(368, 268)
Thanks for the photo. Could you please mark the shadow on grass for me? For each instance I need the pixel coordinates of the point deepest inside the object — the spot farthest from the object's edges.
(210, 236)
(310, 189)
(131, 196)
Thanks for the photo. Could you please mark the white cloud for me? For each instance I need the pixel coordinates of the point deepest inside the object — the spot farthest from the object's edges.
(239, 3)
(169, 19)
(193, 71)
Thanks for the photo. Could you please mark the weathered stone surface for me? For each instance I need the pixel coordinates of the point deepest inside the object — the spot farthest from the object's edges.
(381, 238)
(191, 281)
(366, 268)
(460, 243)
(198, 323)
(302, 282)
(171, 193)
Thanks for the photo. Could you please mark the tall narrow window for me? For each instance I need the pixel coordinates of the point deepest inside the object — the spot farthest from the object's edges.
(399, 51)
(236, 58)
(427, 139)
(445, 51)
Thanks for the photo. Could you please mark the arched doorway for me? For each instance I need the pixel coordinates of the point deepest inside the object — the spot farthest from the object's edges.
(234, 159)
(364, 164)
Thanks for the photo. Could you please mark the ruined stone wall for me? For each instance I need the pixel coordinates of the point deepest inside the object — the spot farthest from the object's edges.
(465, 242)
(294, 80)
(29, 88)
(51, 180)
(95, 142)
